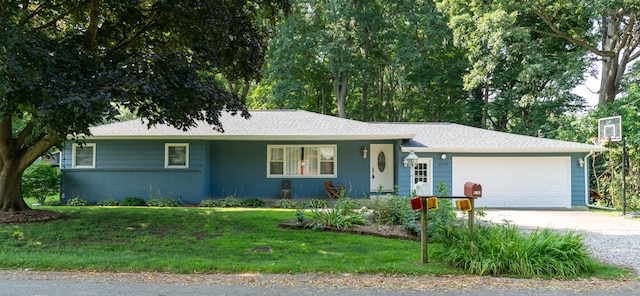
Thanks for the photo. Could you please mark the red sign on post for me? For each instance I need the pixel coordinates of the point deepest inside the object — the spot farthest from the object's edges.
(416, 204)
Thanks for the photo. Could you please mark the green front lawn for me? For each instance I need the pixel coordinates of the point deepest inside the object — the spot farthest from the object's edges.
(206, 240)
(199, 240)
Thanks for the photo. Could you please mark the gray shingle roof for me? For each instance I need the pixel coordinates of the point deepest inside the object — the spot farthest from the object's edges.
(304, 125)
(450, 137)
(263, 124)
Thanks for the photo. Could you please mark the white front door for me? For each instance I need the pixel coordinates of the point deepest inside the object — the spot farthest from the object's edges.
(381, 167)
(423, 177)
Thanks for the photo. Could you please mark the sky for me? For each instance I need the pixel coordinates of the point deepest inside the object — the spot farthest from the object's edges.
(586, 89)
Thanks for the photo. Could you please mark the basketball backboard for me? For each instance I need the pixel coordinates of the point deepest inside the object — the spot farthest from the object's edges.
(610, 128)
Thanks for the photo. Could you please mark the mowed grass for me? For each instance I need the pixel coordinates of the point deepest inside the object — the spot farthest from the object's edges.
(199, 240)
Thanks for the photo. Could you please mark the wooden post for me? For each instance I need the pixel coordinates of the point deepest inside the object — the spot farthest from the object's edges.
(471, 216)
(424, 238)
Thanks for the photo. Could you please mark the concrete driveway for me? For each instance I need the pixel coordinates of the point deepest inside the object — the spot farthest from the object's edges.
(611, 238)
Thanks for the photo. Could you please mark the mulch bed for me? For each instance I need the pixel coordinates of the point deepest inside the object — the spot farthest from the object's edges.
(29, 216)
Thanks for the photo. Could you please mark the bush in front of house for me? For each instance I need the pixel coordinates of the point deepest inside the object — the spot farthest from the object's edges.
(285, 204)
(132, 201)
(209, 203)
(498, 250)
(396, 210)
(338, 216)
(77, 202)
(253, 203)
(229, 202)
(109, 202)
(40, 180)
(349, 204)
(162, 202)
(316, 203)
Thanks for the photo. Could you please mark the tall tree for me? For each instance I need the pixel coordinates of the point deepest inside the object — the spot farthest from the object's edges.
(381, 60)
(616, 39)
(66, 65)
(608, 29)
(521, 77)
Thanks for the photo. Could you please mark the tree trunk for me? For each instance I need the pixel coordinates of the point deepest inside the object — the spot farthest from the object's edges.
(485, 106)
(365, 94)
(11, 189)
(15, 157)
(340, 92)
(609, 82)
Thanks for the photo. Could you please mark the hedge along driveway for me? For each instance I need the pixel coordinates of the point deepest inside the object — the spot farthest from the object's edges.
(611, 238)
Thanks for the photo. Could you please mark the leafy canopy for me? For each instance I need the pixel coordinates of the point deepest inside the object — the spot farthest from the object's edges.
(67, 65)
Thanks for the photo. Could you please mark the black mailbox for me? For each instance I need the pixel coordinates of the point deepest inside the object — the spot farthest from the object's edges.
(472, 190)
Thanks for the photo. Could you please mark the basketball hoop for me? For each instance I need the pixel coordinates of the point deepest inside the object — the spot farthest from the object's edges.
(601, 141)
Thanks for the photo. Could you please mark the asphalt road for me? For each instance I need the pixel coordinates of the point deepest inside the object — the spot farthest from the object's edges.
(28, 283)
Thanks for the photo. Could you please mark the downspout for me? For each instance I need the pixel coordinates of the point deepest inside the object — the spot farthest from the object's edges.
(586, 185)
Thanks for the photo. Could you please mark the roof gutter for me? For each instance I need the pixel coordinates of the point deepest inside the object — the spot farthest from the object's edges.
(498, 150)
(587, 194)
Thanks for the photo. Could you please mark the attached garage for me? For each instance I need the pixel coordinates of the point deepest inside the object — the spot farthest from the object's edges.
(516, 182)
(515, 171)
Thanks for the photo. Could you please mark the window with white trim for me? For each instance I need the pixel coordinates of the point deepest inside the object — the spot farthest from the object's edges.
(422, 172)
(301, 160)
(84, 156)
(176, 155)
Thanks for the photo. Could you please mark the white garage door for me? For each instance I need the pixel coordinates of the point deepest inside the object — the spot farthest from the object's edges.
(515, 182)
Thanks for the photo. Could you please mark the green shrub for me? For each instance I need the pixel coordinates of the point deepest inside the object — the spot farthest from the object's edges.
(349, 204)
(300, 216)
(396, 210)
(132, 201)
(253, 203)
(209, 203)
(445, 214)
(230, 202)
(316, 203)
(77, 202)
(337, 217)
(53, 203)
(285, 204)
(40, 180)
(109, 202)
(503, 250)
(162, 202)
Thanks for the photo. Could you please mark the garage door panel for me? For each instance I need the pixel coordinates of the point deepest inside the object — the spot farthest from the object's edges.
(516, 181)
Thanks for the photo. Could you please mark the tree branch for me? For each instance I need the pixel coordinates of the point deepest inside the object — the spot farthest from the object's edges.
(60, 16)
(40, 147)
(92, 30)
(22, 136)
(33, 13)
(5, 131)
(544, 16)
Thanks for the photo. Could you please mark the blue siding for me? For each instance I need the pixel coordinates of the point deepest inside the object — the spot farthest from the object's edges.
(578, 189)
(239, 168)
(441, 172)
(216, 169)
(133, 168)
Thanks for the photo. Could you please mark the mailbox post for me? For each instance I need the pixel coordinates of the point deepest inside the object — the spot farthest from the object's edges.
(471, 191)
(424, 238)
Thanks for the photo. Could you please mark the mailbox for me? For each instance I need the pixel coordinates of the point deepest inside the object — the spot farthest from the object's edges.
(472, 190)
(422, 189)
